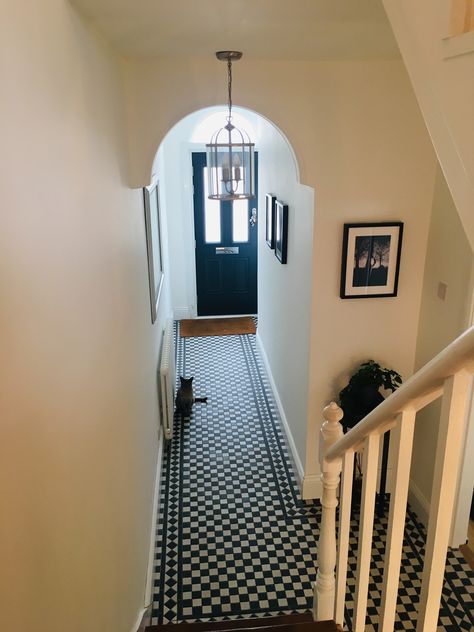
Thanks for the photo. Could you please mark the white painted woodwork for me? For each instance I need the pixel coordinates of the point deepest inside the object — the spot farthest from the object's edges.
(448, 375)
(453, 412)
(343, 535)
(366, 524)
(456, 356)
(427, 398)
(324, 587)
(461, 516)
(284, 420)
(402, 444)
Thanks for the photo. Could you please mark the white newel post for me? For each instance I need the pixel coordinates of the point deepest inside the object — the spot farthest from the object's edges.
(325, 585)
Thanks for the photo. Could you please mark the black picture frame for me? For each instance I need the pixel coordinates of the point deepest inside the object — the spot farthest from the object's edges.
(371, 259)
(151, 200)
(281, 231)
(270, 202)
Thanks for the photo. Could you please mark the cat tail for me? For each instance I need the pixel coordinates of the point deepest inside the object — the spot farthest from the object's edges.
(202, 400)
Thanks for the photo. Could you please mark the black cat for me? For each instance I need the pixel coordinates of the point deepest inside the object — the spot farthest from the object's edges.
(185, 397)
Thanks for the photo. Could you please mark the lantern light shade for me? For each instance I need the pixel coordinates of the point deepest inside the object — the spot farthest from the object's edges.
(230, 165)
(230, 154)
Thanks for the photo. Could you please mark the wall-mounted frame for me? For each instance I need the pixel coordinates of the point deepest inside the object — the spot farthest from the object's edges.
(270, 201)
(153, 244)
(371, 259)
(281, 231)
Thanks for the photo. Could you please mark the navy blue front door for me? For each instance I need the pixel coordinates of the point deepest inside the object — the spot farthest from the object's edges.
(226, 249)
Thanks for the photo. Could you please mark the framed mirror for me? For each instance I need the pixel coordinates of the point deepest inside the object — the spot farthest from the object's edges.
(153, 244)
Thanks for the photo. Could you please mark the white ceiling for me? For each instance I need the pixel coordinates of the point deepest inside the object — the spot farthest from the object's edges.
(265, 29)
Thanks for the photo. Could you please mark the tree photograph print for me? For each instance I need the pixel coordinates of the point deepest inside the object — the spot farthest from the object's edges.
(371, 259)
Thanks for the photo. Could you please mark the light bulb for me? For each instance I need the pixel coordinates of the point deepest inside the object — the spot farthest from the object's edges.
(236, 162)
(225, 168)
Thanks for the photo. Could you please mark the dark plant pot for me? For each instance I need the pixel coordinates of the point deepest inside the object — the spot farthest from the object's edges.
(368, 399)
(356, 492)
(364, 401)
(358, 399)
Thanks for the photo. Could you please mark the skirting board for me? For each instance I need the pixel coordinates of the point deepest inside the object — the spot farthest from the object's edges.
(143, 620)
(419, 503)
(311, 487)
(154, 519)
(421, 506)
(289, 436)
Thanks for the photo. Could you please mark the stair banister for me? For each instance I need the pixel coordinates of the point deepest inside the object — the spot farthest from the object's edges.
(448, 375)
(418, 391)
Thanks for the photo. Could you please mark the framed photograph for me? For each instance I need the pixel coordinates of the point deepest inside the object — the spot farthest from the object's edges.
(371, 259)
(153, 245)
(281, 231)
(270, 201)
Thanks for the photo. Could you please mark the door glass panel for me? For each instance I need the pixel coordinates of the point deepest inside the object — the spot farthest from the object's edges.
(212, 216)
(240, 222)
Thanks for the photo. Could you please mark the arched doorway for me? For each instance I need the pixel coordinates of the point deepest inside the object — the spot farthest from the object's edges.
(284, 290)
(173, 167)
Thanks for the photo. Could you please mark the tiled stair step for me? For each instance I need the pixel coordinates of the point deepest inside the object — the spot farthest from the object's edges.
(289, 623)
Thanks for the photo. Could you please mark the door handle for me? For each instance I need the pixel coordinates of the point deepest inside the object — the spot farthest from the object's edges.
(253, 217)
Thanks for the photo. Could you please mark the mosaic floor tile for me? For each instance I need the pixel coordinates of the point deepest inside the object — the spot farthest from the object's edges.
(234, 539)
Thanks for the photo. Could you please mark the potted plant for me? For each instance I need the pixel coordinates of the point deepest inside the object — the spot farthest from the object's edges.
(362, 393)
(357, 399)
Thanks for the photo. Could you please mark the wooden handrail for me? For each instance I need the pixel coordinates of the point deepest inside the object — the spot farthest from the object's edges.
(421, 388)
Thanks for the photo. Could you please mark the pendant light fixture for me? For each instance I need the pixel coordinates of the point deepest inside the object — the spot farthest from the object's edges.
(230, 154)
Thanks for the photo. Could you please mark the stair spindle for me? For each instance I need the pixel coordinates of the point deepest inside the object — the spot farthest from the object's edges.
(366, 525)
(454, 408)
(402, 444)
(343, 534)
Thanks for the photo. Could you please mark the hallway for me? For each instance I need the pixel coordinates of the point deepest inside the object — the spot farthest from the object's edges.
(237, 539)
(233, 538)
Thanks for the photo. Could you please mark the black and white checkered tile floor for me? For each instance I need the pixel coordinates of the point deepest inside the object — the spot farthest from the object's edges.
(234, 539)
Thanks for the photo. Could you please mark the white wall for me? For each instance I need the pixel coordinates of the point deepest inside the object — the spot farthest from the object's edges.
(374, 162)
(284, 290)
(173, 168)
(449, 260)
(361, 143)
(78, 351)
(441, 70)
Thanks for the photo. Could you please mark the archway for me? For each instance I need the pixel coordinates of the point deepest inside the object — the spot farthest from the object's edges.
(284, 290)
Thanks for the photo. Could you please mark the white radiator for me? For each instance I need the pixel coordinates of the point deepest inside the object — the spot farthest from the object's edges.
(167, 379)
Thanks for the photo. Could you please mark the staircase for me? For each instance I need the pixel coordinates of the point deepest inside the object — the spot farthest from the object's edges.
(447, 377)
(288, 623)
